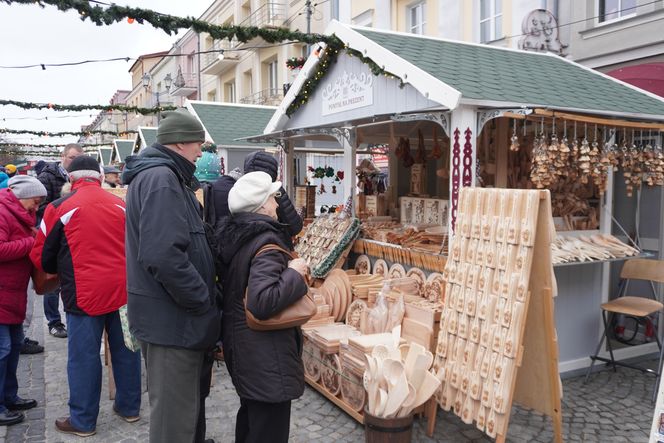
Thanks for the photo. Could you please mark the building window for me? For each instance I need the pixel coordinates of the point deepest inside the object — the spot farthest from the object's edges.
(491, 20)
(212, 96)
(272, 80)
(365, 19)
(416, 18)
(230, 92)
(335, 9)
(615, 9)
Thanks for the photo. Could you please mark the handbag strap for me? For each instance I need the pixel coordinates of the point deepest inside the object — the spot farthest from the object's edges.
(274, 247)
(291, 254)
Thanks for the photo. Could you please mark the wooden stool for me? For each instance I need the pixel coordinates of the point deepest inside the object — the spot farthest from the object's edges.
(639, 307)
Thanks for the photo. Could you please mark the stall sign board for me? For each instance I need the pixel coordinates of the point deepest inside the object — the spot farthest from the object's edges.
(347, 91)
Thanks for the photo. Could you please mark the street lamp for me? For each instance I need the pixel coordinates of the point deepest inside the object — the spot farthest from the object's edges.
(168, 81)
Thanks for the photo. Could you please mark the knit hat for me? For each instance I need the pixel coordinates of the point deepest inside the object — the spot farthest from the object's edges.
(208, 167)
(251, 191)
(84, 163)
(235, 173)
(111, 170)
(10, 169)
(26, 186)
(179, 126)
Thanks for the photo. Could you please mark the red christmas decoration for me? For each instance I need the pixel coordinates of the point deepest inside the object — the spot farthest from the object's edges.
(130, 20)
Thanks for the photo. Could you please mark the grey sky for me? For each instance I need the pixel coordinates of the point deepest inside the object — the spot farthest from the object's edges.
(30, 34)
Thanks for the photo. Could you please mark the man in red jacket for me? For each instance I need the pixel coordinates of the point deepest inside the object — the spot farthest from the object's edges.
(81, 238)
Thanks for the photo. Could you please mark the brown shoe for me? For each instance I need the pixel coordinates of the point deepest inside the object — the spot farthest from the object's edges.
(63, 424)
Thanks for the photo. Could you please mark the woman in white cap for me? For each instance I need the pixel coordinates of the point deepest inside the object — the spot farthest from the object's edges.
(18, 208)
(265, 366)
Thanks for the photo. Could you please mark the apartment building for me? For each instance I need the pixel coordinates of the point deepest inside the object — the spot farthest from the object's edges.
(142, 89)
(255, 72)
(622, 38)
(115, 121)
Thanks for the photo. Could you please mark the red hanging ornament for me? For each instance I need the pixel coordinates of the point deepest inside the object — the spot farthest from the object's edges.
(50, 106)
(334, 189)
(130, 20)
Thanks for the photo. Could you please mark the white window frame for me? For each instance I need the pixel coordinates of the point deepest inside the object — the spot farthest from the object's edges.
(492, 18)
(621, 15)
(231, 96)
(417, 28)
(273, 77)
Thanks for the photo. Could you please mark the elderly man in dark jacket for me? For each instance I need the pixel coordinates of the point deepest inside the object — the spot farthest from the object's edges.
(170, 275)
(259, 161)
(266, 366)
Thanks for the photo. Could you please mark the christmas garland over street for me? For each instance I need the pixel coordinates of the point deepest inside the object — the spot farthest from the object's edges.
(59, 145)
(171, 24)
(56, 107)
(65, 133)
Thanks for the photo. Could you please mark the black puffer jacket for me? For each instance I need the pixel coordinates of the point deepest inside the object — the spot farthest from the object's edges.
(220, 189)
(262, 161)
(264, 365)
(53, 180)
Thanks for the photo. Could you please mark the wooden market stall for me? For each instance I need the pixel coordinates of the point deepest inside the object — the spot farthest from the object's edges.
(453, 115)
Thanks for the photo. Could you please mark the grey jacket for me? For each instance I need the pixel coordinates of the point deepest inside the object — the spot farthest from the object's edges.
(170, 269)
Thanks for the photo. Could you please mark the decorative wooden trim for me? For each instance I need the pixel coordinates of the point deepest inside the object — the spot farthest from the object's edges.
(456, 178)
(468, 159)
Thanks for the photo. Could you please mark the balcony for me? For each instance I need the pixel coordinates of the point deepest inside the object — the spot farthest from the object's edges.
(270, 15)
(268, 97)
(184, 84)
(212, 64)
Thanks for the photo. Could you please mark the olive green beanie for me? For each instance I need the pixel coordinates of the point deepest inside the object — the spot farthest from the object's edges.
(179, 126)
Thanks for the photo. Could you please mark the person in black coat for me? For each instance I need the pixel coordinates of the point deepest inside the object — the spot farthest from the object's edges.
(262, 161)
(265, 366)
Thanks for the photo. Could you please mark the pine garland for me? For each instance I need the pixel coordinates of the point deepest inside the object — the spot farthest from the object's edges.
(329, 56)
(65, 133)
(58, 145)
(56, 107)
(171, 24)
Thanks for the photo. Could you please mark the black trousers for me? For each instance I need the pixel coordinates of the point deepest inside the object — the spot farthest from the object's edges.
(206, 379)
(259, 422)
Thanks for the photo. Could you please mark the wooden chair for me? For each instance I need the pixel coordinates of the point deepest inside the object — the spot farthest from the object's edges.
(639, 307)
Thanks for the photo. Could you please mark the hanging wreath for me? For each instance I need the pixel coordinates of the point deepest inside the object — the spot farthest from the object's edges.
(295, 62)
(326, 172)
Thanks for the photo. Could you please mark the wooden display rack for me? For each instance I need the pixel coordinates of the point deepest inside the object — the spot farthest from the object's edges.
(530, 368)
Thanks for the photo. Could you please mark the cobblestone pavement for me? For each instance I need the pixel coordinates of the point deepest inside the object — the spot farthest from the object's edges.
(612, 407)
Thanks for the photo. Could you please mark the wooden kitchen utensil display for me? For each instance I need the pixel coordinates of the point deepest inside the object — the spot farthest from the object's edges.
(499, 284)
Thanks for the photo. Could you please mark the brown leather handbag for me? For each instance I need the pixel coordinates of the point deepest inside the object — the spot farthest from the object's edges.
(296, 314)
(44, 282)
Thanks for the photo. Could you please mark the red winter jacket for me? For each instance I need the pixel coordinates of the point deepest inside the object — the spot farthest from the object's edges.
(82, 238)
(16, 240)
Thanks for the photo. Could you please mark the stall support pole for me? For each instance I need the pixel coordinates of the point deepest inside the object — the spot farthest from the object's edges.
(350, 151)
(463, 156)
(288, 168)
